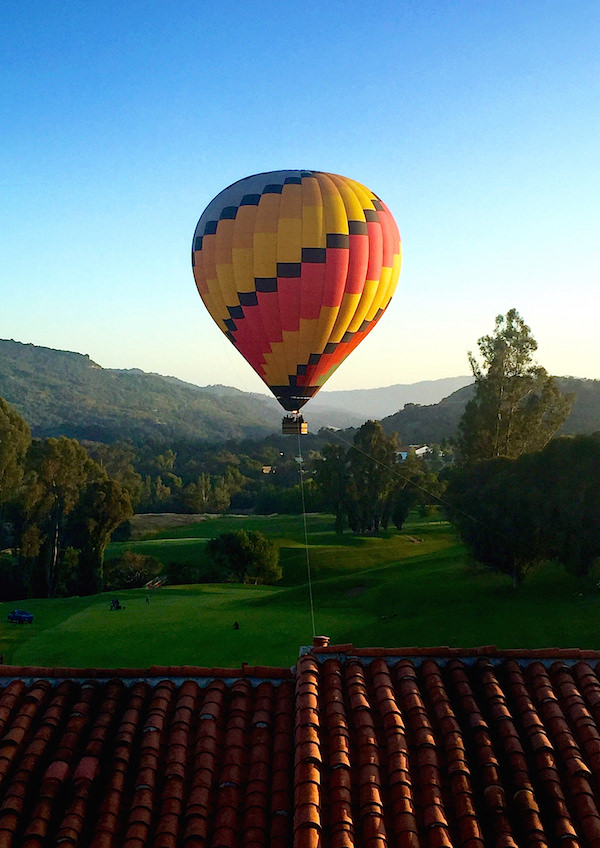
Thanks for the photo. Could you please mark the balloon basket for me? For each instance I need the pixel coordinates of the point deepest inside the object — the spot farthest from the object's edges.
(294, 425)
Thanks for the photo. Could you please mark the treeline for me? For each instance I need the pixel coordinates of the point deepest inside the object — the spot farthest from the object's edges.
(264, 477)
(517, 495)
(259, 476)
(61, 501)
(58, 509)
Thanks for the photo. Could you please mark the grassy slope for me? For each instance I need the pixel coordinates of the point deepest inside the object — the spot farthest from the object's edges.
(388, 591)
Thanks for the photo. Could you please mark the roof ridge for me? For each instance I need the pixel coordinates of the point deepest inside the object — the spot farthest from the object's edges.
(320, 649)
(447, 652)
(156, 671)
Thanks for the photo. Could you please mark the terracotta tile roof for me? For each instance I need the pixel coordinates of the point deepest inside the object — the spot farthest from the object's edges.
(411, 748)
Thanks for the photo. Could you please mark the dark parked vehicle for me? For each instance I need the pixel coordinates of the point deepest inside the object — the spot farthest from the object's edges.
(20, 617)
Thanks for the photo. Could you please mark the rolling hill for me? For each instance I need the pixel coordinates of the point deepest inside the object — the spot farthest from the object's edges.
(65, 393)
(384, 401)
(433, 423)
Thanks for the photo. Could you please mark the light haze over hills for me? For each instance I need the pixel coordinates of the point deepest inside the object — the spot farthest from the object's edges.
(378, 403)
(64, 393)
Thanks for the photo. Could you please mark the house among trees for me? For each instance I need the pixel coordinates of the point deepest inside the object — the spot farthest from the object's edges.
(417, 450)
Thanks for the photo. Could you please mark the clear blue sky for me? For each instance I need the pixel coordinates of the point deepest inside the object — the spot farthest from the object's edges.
(477, 122)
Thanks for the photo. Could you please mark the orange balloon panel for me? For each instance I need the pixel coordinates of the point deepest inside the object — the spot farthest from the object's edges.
(296, 268)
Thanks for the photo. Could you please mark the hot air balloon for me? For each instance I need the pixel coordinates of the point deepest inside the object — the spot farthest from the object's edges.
(296, 268)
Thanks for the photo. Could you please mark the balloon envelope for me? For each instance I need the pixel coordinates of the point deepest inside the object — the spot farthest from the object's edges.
(296, 268)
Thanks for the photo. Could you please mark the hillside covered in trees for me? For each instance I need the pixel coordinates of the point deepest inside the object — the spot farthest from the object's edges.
(60, 393)
(63, 393)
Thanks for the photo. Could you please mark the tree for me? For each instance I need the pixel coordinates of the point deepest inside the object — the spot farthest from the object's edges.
(496, 516)
(514, 514)
(117, 460)
(15, 438)
(517, 407)
(102, 506)
(246, 555)
(60, 469)
(372, 470)
(197, 495)
(332, 480)
(402, 502)
(132, 571)
(212, 493)
(566, 475)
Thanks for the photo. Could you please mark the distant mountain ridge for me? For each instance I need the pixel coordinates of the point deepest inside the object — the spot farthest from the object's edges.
(385, 401)
(432, 424)
(66, 393)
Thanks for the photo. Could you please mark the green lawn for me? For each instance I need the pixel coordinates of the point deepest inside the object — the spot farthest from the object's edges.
(401, 589)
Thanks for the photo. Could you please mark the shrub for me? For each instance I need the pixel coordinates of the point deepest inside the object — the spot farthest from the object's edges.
(247, 556)
(132, 571)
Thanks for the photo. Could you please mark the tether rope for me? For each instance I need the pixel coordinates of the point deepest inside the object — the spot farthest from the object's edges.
(310, 592)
